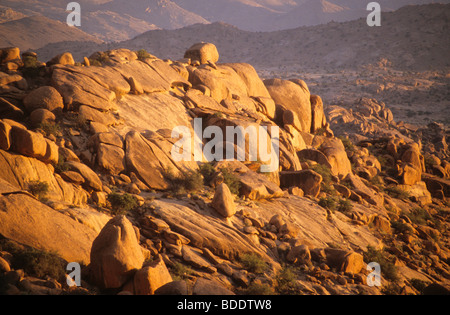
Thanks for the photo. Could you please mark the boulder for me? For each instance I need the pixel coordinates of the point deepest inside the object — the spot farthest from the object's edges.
(65, 58)
(135, 86)
(209, 287)
(316, 156)
(10, 111)
(5, 138)
(308, 180)
(203, 52)
(44, 97)
(29, 222)
(143, 158)
(115, 254)
(72, 177)
(248, 74)
(92, 181)
(79, 89)
(224, 84)
(299, 254)
(51, 153)
(111, 158)
(223, 201)
(89, 114)
(151, 277)
(9, 54)
(41, 116)
(317, 115)
(334, 150)
(28, 143)
(292, 97)
(344, 261)
(173, 288)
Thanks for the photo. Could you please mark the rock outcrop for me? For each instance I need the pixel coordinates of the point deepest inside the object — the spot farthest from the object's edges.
(88, 171)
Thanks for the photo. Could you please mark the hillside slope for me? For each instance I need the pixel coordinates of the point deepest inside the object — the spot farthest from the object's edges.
(404, 39)
(37, 31)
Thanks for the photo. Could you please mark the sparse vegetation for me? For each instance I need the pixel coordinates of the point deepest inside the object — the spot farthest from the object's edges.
(39, 189)
(34, 262)
(185, 181)
(61, 166)
(99, 59)
(328, 203)
(121, 203)
(231, 180)
(396, 192)
(345, 205)
(50, 128)
(180, 271)
(388, 269)
(207, 170)
(256, 288)
(253, 263)
(286, 281)
(143, 54)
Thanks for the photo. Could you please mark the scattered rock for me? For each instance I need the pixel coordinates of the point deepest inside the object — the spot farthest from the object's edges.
(116, 254)
(203, 52)
(223, 201)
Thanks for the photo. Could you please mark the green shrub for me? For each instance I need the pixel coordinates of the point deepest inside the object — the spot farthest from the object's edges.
(328, 203)
(257, 289)
(143, 54)
(185, 182)
(122, 203)
(207, 170)
(61, 166)
(325, 172)
(38, 189)
(253, 263)
(286, 281)
(231, 180)
(388, 269)
(50, 128)
(180, 271)
(34, 262)
(396, 192)
(29, 62)
(419, 216)
(401, 227)
(345, 205)
(99, 59)
(348, 144)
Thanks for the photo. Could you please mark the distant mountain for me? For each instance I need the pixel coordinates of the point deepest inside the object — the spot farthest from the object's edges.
(8, 14)
(118, 20)
(37, 31)
(404, 40)
(115, 20)
(163, 13)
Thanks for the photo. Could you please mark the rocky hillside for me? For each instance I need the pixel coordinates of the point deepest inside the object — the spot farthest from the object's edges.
(88, 175)
(403, 41)
(30, 33)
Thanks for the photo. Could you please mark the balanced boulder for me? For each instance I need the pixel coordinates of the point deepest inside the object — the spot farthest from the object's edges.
(44, 97)
(115, 254)
(203, 52)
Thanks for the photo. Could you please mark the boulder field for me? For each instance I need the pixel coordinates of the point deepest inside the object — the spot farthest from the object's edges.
(88, 175)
